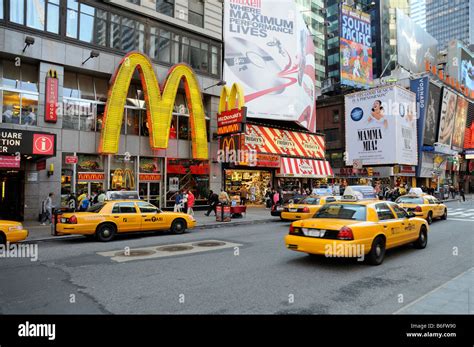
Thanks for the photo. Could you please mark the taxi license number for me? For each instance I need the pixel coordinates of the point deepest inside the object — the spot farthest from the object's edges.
(314, 232)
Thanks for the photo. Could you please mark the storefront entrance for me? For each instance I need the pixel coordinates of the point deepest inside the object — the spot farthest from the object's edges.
(255, 181)
(150, 191)
(12, 194)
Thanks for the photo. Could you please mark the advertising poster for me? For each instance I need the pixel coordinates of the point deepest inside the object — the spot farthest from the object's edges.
(355, 48)
(420, 86)
(414, 44)
(430, 129)
(461, 63)
(447, 117)
(460, 124)
(270, 53)
(381, 126)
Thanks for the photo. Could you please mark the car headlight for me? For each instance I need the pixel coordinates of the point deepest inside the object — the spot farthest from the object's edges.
(15, 228)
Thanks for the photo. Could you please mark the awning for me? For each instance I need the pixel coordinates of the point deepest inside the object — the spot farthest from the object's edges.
(294, 167)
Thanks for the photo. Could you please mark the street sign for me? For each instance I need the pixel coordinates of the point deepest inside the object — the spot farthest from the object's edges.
(357, 164)
(70, 159)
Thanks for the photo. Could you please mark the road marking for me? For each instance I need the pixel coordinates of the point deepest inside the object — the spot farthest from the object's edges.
(431, 292)
(461, 220)
(157, 251)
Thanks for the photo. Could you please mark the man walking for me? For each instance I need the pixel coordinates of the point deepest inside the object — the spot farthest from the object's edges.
(212, 200)
(461, 192)
(48, 210)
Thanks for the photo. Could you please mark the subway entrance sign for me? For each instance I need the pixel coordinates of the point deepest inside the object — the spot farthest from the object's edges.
(159, 104)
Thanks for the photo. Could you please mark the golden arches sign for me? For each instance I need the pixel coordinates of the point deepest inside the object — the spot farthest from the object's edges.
(159, 105)
(231, 98)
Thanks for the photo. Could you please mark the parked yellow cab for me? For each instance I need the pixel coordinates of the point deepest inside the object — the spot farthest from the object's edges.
(425, 206)
(11, 231)
(305, 208)
(105, 220)
(364, 228)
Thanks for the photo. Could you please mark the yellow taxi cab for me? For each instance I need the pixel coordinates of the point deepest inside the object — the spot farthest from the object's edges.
(305, 208)
(11, 231)
(425, 206)
(357, 228)
(105, 220)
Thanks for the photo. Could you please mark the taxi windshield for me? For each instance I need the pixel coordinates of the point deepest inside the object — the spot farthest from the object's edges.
(96, 208)
(342, 211)
(309, 201)
(409, 200)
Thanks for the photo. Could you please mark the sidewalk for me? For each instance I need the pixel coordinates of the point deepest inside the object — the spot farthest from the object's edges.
(454, 297)
(254, 215)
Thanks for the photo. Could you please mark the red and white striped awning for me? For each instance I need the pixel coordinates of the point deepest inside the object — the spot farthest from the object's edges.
(294, 167)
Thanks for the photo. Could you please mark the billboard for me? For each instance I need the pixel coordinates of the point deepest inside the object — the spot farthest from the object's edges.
(447, 117)
(461, 63)
(270, 53)
(414, 44)
(460, 124)
(355, 48)
(430, 129)
(381, 126)
(420, 86)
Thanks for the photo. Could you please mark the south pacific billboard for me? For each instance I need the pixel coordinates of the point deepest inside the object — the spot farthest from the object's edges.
(355, 48)
(269, 51)
(381, 126)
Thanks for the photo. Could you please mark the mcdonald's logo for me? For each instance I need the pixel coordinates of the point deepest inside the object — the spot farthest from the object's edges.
(231, 98)
(229, 143)
(159, 104)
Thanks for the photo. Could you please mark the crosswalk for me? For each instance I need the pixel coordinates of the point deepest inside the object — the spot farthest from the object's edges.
(465, 213)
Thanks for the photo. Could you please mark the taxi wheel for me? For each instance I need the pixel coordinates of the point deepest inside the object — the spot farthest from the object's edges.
(377, 252)
(429, 219)
(105, 232)
(422, 240)
(445, 214)
(178, 226)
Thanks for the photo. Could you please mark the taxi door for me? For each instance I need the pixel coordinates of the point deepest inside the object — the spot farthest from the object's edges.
(125, 215)
(438, 207)
(392, 226)
(408, 227)
(151, 217)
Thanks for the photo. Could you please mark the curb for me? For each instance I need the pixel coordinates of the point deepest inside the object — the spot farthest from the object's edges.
(198, 227)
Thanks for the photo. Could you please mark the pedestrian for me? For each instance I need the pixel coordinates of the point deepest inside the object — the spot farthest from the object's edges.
(461, 192)
(191, 200)
(178, 202)
(101, 197)
(212, 200)
(82, 195)
(94, 198)
(224, 197)
(452, 191)
(85, 203)
(47, 207)
(244, 195)
(184, 201)
(276, 197)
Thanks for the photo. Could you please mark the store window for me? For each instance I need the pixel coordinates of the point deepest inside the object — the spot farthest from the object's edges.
(188, 174)
(132, 121)
(79, 115)
(255, 181)
(165, 7)
(122, 172)
(183, 131)
(196, 12)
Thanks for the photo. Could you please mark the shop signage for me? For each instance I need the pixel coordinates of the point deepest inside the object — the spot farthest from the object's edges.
(32, 176)
(384, 171)
(159, 102)
(295, 167)
(90, 176)
(150, 177)
(286, 142)
(41, 165)
(404, 170)
(232, 112)
(265, 160)
(51, 93)
(229, 129)
(14, 141)
(71, 159)
(357, 164)
(173, 184)
(443, 148)
(234, 116)
(9, 162)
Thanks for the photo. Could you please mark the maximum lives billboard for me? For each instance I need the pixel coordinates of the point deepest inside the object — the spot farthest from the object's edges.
(355, 48)
(270, 52)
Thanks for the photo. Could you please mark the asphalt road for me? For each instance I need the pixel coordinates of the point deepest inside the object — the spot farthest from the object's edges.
(259, 277)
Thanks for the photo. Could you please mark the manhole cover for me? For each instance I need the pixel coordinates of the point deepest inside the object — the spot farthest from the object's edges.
(209, 244)
(174, 248)
(134, 253)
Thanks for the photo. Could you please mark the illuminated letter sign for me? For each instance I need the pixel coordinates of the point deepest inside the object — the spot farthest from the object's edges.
(231, 113)
(159, 104)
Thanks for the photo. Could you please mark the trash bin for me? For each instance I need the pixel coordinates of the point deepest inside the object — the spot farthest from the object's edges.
(55, 219)
(223, 213)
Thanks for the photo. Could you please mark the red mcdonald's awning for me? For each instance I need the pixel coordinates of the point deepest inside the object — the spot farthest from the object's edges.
(294, 167)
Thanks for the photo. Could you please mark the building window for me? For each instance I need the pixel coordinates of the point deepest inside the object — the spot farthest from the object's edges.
(164, 45)
(19, 108)
(40, 14)
(165, 7)
(93, 25)
(1, 9)
(196, 12)
(332, 135)
(126, 34)
(135, 2)
(214, 60)
(335, 116)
